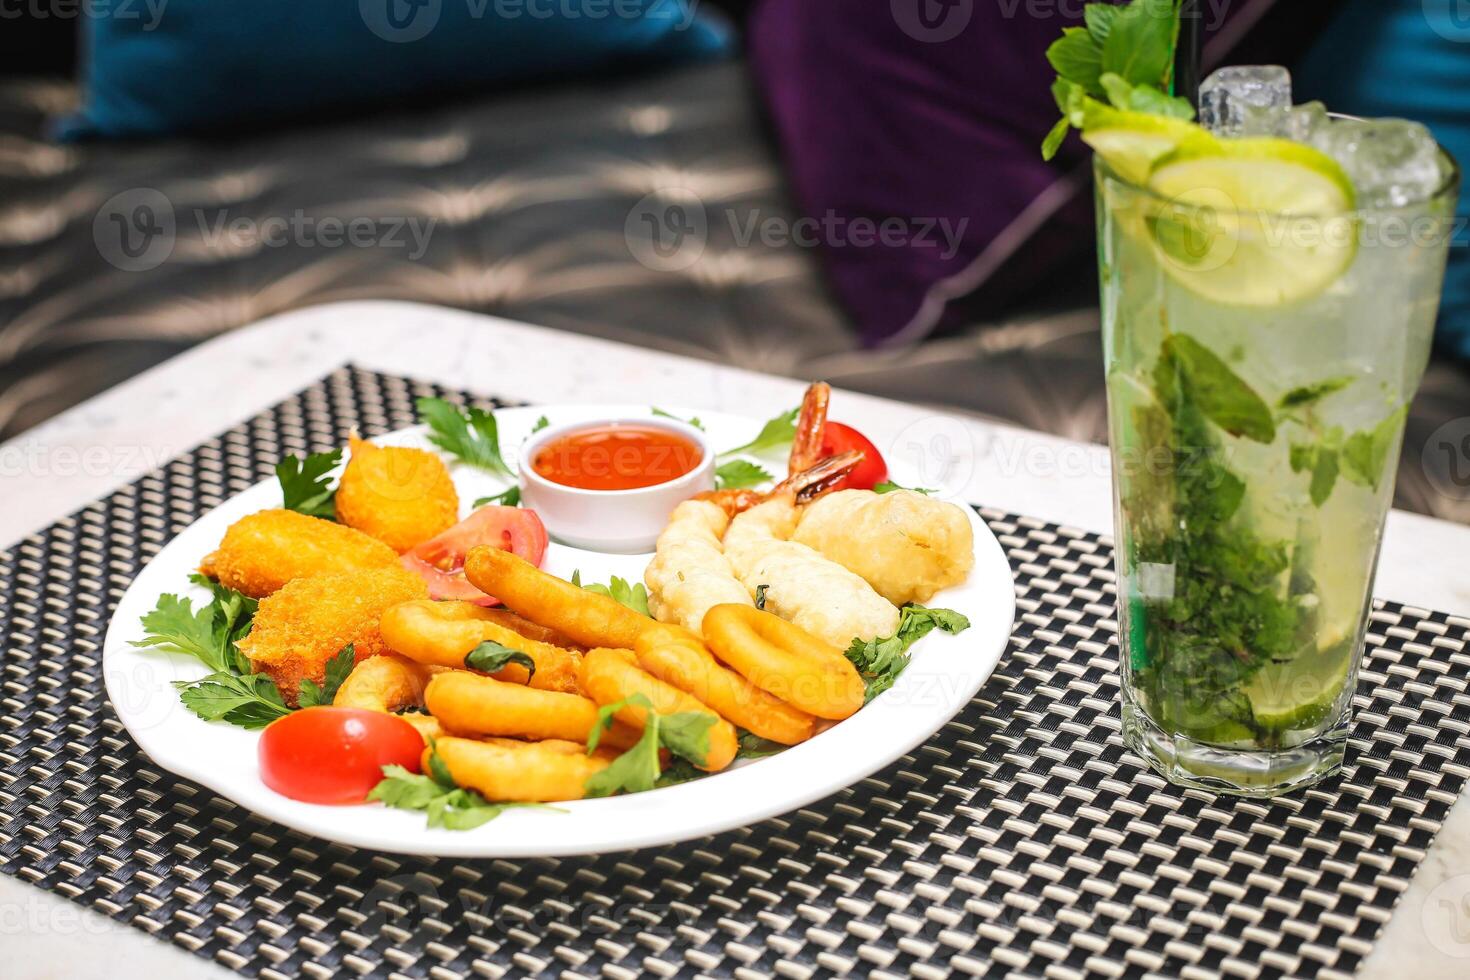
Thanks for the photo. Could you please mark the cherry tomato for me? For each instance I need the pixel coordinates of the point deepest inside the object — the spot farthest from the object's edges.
(335, 755)
(440, 560)
(839, 438)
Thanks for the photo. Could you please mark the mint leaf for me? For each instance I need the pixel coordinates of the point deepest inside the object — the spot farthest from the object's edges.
(472, 436)
(1365, 453)
(491, 657)
(630, 594)
(1144, 98)
(338, 668)
(1140, 43)
(1078, 57)
(1324, 475)
(306, 486)
(1099, 18)
(1309, 394)
(777, 433)
(1218, 391)
(505, 498)
(739, 474)
(691, 421)
(882, 659)
(1053, 141)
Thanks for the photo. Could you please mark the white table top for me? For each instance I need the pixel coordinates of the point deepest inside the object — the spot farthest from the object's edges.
(112, 439)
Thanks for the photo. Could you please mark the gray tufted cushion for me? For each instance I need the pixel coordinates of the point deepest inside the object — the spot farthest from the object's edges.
(531, 192)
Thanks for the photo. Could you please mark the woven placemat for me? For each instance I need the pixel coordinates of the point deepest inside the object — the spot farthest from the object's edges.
(1021, 839)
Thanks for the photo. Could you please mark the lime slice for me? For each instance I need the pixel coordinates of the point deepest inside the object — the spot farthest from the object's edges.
(1131, 142)
(1252, 222)
(1300, 693)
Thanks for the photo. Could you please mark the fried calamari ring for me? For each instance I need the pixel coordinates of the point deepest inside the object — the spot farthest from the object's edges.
(678, 657)
(610, 676)
(475, 705)
(401, 496)
(507, 771)
(442, 633)
(785, 660)
(262, 552)
(591, 620)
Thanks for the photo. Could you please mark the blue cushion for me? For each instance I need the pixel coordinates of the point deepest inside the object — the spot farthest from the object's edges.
(1410, 59)
(197, 65)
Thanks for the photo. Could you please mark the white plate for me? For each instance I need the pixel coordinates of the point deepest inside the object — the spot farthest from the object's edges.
(944, 674)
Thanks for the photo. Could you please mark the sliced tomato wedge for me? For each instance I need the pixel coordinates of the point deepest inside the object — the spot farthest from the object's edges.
(839, 438)
(440, 560)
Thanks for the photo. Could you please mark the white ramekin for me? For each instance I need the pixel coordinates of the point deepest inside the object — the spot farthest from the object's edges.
(618, 521)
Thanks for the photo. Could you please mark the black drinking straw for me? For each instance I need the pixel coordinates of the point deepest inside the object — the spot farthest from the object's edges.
(1188, 53)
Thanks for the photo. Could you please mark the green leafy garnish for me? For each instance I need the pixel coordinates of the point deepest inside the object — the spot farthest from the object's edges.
(738, 474)
(313, 694)
(752, 746)
(631, 594)
(492, 657)
(760, 596)
(882, 659)
(777, 433)
(1312, 393)
(1209, 383)
(505, 498)
(667, 415)
(471, 435)
(1364, 453)
(888, 486)
(446, 804)
(541, 423)
(249, 700)
(306, 486)
(1125, 56)
(685, 733)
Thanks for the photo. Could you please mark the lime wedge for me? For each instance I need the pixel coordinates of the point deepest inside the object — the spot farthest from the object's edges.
(1300, 693)
(1131, 142)
(1252, 222)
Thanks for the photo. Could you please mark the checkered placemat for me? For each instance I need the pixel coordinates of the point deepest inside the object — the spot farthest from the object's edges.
(1021, 839)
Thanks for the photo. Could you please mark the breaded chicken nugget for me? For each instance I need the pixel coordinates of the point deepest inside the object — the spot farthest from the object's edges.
(401, 496)
(302, 626)
(262, 552)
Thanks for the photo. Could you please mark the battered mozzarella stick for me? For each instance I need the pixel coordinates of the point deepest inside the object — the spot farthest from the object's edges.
(442, 633)
(504, 771)
(590, 619)
(474, 705)
(785, 660)
(610, 676)
(678, 657)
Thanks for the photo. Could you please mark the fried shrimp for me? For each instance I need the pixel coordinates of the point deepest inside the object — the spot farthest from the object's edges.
(611, 676)
(401, 496)
(503, 770)
(475, 705)
(589, 619)
(678, 657)
(443, 633)
(262, 552)
(309, 620)
(689, 572)
(905, 545)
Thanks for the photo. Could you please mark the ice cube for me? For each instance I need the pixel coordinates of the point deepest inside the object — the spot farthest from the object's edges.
(1302, 123)
(1391, 162)
(1244, 100)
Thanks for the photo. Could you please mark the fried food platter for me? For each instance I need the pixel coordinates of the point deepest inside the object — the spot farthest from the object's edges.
(942, 673)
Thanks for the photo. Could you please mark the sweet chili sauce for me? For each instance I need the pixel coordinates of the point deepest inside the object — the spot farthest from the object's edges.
(617, 457)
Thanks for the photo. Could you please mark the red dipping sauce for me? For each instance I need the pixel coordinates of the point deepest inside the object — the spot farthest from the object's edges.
(617, 457)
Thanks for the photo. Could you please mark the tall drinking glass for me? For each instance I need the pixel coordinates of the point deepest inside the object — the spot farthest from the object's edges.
(1259, 370)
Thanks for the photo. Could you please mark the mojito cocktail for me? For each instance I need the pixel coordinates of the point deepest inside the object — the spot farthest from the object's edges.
(1269, 288)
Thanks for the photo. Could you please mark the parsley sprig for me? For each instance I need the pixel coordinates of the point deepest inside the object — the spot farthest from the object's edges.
(631, 594)
(306, 484)
(471, 435)
(740, 474)
(437, 794)
(684, 733)
(888, 486)
(776, 434)
(882, 659)
(313, 694)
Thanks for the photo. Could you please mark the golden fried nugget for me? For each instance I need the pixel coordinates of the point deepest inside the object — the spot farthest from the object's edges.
(309, 620)
(678, 657)
(609, 676)
(262, 552)
(383, 683)
(442, 633)
(472, 704)
(507, 771)
(589, 619)
(401, 496)
(785, 660)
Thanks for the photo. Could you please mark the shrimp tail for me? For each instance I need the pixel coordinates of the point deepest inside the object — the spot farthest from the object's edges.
(818, 479)
(806, 447)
